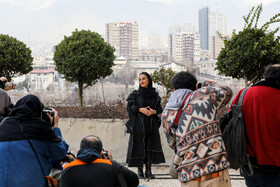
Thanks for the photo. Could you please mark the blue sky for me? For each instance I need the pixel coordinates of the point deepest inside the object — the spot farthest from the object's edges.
(49, 20)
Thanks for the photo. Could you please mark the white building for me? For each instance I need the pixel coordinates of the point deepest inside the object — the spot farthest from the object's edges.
(176, 67)
(188, 27)
(184, 47)
(124, 37)
(42, 79)
(156, 41)
(174, 29)
(216, 45)
(144, 66)
(217, 23)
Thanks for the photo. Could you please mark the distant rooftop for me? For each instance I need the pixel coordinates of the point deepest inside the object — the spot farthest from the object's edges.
(35, 71)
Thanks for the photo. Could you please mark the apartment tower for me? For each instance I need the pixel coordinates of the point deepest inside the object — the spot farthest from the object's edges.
(124, 37)
(203, 24)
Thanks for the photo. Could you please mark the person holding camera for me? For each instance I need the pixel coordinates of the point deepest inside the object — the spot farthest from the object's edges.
(93, 168)
(5, 100)
(28, 144)
(191, 127)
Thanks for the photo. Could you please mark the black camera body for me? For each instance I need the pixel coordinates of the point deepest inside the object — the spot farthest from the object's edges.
(5, 84)
(105, 153)
(46, 117)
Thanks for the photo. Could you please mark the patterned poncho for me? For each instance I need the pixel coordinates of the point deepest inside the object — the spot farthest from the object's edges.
(200, 149)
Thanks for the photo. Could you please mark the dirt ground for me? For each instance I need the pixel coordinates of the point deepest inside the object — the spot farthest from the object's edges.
(101, 111)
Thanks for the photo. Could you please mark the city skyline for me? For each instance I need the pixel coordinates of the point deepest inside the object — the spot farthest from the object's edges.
(49, 20)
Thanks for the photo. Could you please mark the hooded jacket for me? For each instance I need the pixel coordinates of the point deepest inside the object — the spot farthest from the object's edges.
(19, 165)
(90, 170)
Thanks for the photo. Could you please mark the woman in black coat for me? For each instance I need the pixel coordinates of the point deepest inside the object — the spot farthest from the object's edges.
(143, 106)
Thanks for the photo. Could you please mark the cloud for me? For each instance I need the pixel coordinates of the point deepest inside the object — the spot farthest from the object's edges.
(30, 5)
(43, 4)
(255, 2)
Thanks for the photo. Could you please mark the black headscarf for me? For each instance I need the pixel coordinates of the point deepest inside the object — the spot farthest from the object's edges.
(150, 91)
(27, 112)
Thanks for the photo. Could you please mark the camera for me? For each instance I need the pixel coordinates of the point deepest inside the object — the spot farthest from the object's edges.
(5, 84)
(66, 159)
(105, 153)
(46, 117)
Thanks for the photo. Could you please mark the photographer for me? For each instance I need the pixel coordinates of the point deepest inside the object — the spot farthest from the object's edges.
(93, 169)
(28, 143)
(5, 101)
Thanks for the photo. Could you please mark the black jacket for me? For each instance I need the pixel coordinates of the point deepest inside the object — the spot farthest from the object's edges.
(90, 170)
(136, 127)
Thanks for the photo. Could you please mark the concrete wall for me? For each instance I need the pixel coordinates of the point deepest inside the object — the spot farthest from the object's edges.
(110, 131)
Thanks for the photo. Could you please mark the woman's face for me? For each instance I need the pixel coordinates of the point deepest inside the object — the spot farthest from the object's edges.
(143, 81)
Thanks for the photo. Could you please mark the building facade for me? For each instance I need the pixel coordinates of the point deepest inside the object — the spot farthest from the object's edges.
(183, 47)
(124, 37)
(216, 45)
(210, 24)
(203, 25)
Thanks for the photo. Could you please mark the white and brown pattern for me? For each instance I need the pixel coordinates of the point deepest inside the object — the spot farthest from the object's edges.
(200, 148)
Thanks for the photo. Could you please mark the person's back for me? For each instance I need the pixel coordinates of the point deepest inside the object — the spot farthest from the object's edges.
(81, 174)
(5, 101)
(91, 170)
(200, 157)
(19, 165)
(261, 111)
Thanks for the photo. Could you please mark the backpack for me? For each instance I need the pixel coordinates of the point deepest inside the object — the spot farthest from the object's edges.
(234, 136)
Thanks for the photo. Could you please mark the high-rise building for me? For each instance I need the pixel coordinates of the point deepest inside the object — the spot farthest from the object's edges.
(183, 46)
(210, 24)
(155, 41)
(188, 27)
(174, 29)
(217, 23)
(124, 37)
(216, 45)
(203, 24)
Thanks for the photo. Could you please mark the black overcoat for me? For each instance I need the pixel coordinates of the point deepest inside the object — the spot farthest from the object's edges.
(135, 126)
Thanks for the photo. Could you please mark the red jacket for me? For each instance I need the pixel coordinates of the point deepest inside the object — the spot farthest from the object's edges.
(261, 110)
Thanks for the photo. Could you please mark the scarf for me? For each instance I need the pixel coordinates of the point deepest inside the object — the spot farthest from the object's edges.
(27, 112)
(150, 91)
(88, 155)
(267, 83)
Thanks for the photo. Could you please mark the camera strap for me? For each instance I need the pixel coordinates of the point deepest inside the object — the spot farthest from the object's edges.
(32, 148)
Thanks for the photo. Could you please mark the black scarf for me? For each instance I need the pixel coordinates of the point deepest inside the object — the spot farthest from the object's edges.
(27, 112)
(149, 91)
(88, 155)
(268, 83)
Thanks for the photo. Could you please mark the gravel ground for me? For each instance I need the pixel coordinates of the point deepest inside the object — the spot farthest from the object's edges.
(163, 179)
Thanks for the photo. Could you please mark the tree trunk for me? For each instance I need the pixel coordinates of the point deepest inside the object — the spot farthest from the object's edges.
(80, 93)
(103, 93)
(246, 81)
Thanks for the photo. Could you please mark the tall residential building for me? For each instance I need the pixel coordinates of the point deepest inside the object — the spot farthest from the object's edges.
(155, 41)
(209, 24)
(216, 45)
(183, 46)
(174, 29)
(203, 24)
(188, 27)
(217, 23)
(124, 37)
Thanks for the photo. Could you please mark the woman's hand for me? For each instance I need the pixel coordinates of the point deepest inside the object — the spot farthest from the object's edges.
(152, 110)
(55, 118)
(147, 111)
